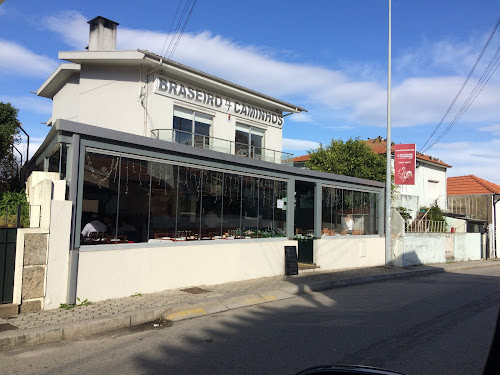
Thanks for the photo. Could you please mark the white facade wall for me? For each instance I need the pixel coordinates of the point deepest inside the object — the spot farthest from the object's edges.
(66, 103)
(430, 184)
(340, 253)
(110, 97)
(128, 269)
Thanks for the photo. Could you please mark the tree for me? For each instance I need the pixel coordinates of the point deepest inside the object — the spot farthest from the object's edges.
(351, 158)
(9, 136)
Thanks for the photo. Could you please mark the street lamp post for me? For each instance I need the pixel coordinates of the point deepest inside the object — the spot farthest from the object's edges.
(388, 251)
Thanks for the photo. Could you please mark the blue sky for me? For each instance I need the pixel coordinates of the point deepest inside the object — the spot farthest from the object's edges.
(329, 57)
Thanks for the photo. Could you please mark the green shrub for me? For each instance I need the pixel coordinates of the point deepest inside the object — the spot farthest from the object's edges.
(8, 209)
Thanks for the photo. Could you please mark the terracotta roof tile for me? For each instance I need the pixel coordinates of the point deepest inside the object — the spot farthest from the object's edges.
(468, 185)
(301, 158)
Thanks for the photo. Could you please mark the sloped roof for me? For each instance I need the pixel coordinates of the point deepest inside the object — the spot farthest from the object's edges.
(379, 146)
(300, 158)
(468, 185)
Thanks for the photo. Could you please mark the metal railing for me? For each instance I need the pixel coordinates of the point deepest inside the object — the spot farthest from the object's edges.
(427, 226)
(223, 145)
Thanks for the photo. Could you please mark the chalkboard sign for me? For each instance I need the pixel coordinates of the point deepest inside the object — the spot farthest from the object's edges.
(291, 264)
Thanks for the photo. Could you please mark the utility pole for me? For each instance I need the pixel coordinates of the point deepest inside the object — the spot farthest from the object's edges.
(388, 182)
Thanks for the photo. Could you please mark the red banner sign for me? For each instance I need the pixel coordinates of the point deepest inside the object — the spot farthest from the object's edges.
(404, 164)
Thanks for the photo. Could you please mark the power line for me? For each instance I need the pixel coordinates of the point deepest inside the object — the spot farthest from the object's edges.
(485, 77)
(170, 29)
(183, 28)
(461, 88)
(174, 34)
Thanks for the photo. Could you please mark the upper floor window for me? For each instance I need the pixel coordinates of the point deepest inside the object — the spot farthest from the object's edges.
(249, 141)
(191, 127)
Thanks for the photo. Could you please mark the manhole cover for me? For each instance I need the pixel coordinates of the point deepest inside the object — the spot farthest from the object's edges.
(195, 290)
(7, 327)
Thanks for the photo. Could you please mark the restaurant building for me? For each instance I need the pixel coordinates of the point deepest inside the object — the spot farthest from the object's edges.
(187, 172)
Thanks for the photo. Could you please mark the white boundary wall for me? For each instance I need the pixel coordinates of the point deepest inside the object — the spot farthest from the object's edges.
(341, 253)
(429, 248)
(107, 271)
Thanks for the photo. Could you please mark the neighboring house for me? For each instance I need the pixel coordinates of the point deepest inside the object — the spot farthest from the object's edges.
(476, 199)
(186, 171)
(430, 179)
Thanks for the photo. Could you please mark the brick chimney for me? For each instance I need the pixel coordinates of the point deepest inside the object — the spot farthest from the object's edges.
(102, 35)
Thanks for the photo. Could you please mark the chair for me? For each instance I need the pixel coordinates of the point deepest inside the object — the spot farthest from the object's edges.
(325, 231)
(344, 232)
(356, 232)
(331, 232)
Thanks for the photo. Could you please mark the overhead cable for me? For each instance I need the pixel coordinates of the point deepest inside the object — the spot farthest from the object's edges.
(461, 88)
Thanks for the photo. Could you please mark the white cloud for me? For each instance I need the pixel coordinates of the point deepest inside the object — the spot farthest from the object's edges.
(415, 100)
(493, 129)
(17, 59)
(35, 144)
(299, 117)
(29, 104)
(477, 158)
(72, 26)
(298, 144)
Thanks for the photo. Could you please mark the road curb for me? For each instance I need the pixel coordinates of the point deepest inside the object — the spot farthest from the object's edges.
(69, 331)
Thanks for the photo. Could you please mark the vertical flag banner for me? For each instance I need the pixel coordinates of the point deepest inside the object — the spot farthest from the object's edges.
(404, 164)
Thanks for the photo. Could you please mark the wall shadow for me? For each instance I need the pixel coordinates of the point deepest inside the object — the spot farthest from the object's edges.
(389, 324)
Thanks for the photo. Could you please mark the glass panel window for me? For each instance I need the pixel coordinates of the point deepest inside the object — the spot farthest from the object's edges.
(280, 207)
(231, 214)
(191, 127)
(100, 198)
(327, 211)
(54, 160)
(256, 142)
(266, 207)
(134, 201)
(242, 141)
(211, 212)
(188, 203)
(163, 210)
(64, 160)
(357, 213)
(250, 206)
(249, 141)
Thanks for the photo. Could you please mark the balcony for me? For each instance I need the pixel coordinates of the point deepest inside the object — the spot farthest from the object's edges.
(222, 145)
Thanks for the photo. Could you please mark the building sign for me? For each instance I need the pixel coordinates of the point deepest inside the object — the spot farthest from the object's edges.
(188, 93)
(404, 164)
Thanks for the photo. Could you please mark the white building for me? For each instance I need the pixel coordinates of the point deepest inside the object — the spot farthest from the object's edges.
(430, 181)
(186, 171)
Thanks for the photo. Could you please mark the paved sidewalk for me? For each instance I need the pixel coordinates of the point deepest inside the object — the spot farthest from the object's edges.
(172, 305)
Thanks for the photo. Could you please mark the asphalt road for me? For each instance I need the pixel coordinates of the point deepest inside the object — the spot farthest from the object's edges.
(437, 324)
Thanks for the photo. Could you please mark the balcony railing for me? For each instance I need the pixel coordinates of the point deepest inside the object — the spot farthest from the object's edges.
(222, 145)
